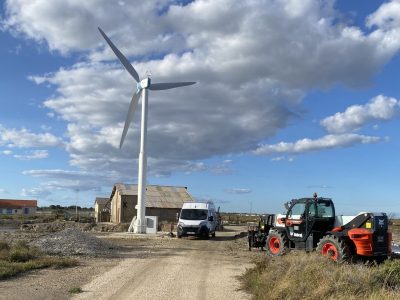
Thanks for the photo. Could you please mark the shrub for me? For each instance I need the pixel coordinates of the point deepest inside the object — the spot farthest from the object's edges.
(20, 255)
(58, 262)
(21, 252)
(75, 290)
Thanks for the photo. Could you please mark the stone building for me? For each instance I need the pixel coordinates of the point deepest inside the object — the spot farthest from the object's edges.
(161, 201)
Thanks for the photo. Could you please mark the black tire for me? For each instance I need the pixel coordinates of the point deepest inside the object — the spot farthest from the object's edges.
(179, 232)
(381, 259)
(213, 235)
(277, 243)
(334, 248)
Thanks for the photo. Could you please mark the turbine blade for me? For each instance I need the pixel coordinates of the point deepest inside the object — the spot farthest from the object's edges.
(121, 57)
(168, 85)
(131, 111)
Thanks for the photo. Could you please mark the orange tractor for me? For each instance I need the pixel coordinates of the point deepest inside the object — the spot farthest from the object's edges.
(310, 223)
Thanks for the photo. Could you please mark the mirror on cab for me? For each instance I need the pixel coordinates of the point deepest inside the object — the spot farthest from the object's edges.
(210, 218)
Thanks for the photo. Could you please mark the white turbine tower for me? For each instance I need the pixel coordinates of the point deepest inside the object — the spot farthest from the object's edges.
(142, 87)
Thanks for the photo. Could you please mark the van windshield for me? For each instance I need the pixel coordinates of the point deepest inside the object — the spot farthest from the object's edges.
(194, 214)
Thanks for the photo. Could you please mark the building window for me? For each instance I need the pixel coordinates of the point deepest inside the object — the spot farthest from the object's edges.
(9, 211)
(26, 210)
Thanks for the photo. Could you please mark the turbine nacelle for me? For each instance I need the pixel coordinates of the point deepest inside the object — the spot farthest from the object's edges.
(144, 84)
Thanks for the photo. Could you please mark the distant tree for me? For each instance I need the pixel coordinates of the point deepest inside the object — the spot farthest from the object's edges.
(391, 216)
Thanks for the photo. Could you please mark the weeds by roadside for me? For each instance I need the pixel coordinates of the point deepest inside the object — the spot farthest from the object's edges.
(19, 258)
(310, 276)
(75, 290)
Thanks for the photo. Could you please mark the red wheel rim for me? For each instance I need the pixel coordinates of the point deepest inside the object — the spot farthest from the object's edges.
(330, 251)
(274, 245)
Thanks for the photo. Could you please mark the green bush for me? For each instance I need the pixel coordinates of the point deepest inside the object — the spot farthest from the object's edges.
(75, 290)
(20, 255)
(21, 252)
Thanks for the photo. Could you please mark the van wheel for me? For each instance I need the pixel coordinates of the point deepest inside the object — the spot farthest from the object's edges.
(213, 234)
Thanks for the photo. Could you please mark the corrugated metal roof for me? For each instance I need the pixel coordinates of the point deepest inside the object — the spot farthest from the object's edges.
(9, 203)
(156, 195)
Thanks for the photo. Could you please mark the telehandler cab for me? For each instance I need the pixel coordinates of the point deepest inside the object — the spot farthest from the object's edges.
(310, 223)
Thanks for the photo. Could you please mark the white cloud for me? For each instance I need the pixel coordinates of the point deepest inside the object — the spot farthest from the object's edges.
(387, 16)
(7, 152)
(45, 127)
(39, 193)
(3, 191)
(71, 25)
(379, 108)
(319, 186)
(308, 145)
(23, 138)
(187, 124)
(35, 154)
(252, 74)
(280, 40)
(238, 191)
(282, 158)
(73, 180)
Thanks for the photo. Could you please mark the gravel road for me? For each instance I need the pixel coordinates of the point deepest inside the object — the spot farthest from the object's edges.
(176, 269)
(135, 267)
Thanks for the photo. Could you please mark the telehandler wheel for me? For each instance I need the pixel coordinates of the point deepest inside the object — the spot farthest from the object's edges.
(277, 243)
(334, 248)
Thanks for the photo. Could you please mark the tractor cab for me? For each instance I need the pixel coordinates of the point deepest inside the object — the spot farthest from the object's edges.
(307, 220)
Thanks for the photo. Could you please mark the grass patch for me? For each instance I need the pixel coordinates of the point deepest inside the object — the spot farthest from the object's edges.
(300, 275)
(19, 258)
(75, 290)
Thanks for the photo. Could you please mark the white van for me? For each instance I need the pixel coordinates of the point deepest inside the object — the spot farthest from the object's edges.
(197, 218)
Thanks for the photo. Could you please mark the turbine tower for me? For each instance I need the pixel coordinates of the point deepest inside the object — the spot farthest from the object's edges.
(142, 88)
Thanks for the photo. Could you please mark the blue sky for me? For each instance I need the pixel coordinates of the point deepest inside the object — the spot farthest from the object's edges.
(292, 97)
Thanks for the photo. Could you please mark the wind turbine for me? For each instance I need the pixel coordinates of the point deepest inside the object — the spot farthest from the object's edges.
(142, 88)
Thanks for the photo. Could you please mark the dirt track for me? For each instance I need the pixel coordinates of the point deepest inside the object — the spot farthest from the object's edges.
(146, 268)
(177, 269)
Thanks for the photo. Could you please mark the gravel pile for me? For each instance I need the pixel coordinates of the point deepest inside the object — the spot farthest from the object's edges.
(72, 241)
(55, 226)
